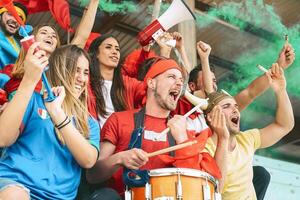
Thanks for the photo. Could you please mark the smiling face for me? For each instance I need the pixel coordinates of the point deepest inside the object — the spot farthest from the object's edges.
(167, 89)
(232, 114)
(9, 24)
(109, 53)
(81, 75)
(48, 39)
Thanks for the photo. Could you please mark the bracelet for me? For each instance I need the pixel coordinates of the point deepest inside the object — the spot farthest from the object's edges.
(62, 122)
(65, 124)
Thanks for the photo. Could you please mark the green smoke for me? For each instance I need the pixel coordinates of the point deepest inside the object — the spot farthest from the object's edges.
(263, 16)
(260, 16)
(122, 7)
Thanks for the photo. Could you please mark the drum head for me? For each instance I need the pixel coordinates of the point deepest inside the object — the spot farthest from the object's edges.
(184, 172)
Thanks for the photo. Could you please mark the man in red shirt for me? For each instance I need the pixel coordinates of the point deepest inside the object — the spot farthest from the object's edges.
(164, 83)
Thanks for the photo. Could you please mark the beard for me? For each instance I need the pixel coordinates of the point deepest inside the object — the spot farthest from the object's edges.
(163, 103)
(7, 32)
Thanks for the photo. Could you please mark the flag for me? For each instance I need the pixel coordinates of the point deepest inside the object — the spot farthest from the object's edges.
(184, 106)
(8, 4)
(193, 157)
(58, 8)
(61, 12)
(43, 113)
(91, 38)
(35, 6)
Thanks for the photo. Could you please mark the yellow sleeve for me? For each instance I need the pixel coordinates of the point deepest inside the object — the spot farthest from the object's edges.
(256, 137)
(210, 147)
(250, 138)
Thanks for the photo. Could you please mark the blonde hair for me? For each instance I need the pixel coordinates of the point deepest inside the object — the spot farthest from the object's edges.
(18, 69)
(62, 70)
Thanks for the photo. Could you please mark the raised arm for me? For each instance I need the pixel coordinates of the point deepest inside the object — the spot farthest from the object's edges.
(261, 84)
(11, 118)
(284, 119)
(180, 47)
(255, 89)
(86, 24)
(204, 50)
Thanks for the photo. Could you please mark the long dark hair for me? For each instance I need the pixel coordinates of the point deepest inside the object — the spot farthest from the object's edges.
(97, 81)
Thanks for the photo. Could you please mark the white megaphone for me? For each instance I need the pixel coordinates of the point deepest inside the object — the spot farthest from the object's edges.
(176, 13)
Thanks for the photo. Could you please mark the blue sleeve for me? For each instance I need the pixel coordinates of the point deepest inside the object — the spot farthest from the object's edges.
(3, 80)
(94, 135)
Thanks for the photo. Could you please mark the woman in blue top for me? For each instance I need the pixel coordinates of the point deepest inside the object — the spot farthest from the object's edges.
(47, 143)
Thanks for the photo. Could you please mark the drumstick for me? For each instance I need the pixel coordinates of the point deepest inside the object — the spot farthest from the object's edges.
(261, 68)
(186, 115)
(193, 110)
(173, 148)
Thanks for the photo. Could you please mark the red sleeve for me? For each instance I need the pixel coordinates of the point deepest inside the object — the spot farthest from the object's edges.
(133, 60)
(139, 93)
(91, 101)
(110, 130)
(3, 97)
(135, 92)
(7, 69)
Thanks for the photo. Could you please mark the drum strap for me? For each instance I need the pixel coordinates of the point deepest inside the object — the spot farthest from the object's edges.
(138, 178)
(139, 118)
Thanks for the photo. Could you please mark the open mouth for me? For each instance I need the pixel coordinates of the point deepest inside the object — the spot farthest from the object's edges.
(49, 42)
(12, 25)
(235, 120)
(174, 94)
(78, 88)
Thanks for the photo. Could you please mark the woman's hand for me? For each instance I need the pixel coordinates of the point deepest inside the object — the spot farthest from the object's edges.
(34, 63)
(55, 107)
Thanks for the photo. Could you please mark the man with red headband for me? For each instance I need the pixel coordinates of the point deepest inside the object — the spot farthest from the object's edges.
(164, 83)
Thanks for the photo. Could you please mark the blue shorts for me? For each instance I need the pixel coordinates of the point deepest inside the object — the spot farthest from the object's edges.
(5, 183)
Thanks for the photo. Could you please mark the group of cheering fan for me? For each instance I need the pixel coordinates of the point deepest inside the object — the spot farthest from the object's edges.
(107, 116)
